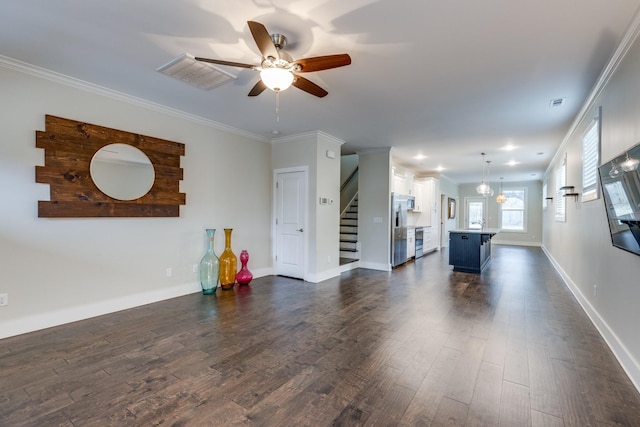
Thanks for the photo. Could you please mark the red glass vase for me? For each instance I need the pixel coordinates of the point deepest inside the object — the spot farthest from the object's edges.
(244, 276)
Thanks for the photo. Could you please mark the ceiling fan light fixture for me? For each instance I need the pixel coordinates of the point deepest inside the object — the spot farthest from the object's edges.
(276, 79)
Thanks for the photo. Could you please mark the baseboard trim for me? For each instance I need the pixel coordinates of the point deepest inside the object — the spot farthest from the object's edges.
(375, 266)
(60, 317)
(324, 275)
(515, 243)
(624, 357)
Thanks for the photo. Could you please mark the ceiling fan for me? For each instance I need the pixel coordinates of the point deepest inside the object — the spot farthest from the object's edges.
(278, 70)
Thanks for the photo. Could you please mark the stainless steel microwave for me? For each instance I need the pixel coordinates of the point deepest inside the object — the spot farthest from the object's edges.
(411, 203)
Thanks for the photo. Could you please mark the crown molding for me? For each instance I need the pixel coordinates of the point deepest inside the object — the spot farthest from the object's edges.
(312, 134)
(608, 71)
(43, 73)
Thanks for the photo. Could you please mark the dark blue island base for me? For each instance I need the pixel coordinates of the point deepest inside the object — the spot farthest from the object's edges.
(470, 250)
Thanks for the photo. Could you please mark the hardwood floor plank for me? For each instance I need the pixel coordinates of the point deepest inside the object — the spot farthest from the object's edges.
(541, 419)
(423, 407)
(451, 413)
(515, 409)
(543, 390)
(463, 381)
(419, 346)
(485, 403)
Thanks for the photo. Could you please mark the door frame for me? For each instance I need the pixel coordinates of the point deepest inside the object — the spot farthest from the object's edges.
(485, 210)
(274, 210)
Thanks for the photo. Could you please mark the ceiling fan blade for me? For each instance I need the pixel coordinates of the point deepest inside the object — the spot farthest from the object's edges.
(319, 63)
(309, 87)
(229, 63)
(263, 40)
(258, 88)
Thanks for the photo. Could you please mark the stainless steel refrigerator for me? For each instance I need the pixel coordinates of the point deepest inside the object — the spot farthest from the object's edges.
(398, 229)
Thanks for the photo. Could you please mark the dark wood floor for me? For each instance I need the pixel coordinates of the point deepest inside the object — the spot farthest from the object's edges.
(416, 347)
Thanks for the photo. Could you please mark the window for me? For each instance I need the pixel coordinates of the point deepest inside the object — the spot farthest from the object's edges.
(513, 213)
(561, 181)
(590, 160)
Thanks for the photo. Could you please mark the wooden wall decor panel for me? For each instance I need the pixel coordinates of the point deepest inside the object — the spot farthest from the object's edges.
(69, 146)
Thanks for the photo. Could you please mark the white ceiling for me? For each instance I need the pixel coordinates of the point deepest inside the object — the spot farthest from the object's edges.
(447, 79)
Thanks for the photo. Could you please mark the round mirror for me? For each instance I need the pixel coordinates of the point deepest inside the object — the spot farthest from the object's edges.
(122, 171)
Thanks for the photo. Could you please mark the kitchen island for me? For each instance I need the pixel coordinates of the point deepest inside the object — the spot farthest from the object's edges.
(470, 249)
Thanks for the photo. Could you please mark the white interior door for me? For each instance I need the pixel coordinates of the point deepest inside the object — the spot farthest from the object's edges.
(290, 223)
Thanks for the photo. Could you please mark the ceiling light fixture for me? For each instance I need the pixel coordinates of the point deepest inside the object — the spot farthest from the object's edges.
(484, 188)
(277, 79)
(501, 197)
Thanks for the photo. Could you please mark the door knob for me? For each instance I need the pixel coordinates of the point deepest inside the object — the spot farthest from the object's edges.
(299, 229)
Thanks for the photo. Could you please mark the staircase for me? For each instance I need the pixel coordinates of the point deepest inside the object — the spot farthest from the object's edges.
(349, 247)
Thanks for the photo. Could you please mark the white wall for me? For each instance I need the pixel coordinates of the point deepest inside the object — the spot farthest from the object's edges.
(448, 189)
(323, 236)
(374, 209)
(605, 279)
(61, 270)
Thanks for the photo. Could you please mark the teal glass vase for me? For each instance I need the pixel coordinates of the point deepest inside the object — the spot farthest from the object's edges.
(209, 266)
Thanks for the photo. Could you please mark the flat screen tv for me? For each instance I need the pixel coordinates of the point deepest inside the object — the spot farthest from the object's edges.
(620, 182)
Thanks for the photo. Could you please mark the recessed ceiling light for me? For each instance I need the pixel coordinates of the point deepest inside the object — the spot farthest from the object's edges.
(509, 147)
(513, 163)
(440, 168)
(420, 157)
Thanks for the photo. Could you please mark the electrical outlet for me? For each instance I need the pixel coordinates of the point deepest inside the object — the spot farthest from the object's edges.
(169, 271)
(4, 299)
(595, 290)
(195, 268)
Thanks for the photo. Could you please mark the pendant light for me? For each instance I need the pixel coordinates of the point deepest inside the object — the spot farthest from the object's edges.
(501, 197)
(630, 164)
(615, 171)
(484, 189)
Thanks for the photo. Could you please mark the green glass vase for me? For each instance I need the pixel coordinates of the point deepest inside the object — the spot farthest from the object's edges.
(209, 266)
(228, 263)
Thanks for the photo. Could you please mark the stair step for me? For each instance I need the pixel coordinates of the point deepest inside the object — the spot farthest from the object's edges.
(348, 229)
(350, 222)
(347, 240)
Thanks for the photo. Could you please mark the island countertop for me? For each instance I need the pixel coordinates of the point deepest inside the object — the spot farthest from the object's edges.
(476, 230)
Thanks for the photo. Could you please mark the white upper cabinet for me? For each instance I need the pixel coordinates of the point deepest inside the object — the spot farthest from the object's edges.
(418, 193)
(399, 184)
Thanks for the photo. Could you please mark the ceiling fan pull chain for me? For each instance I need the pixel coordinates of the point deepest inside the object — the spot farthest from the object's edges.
(278, 107)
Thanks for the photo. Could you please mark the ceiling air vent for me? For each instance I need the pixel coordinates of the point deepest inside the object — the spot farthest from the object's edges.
(199, 74)
(557, 102)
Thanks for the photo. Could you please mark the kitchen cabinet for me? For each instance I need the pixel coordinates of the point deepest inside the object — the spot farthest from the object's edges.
(399, 184)
(470, 250)
(411, 243)
(418, 193)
